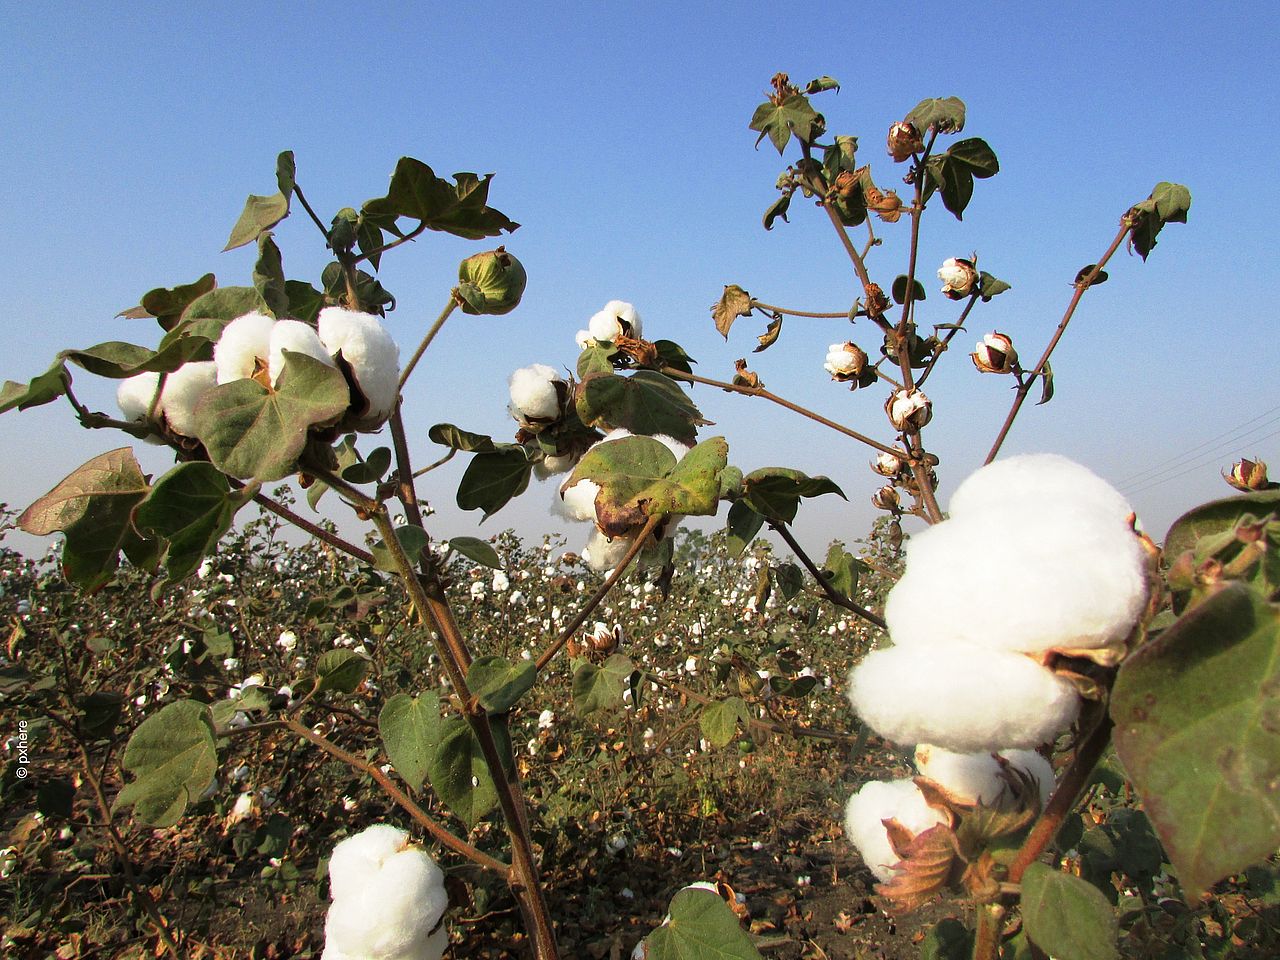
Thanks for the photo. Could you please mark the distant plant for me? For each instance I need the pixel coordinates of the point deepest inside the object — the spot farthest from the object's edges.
(1038, 591)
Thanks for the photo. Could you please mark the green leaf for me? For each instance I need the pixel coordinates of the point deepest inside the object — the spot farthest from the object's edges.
(477, 550)
(778, 121)
(733, 303)
(841, 569)
(45, 388)
(167, 304)
(252, 432)
(413, 540)
(645, 403)
(596, 357)
(822, 84)
(743, 523)
(946, 115)
(1211, 520)
(305, 301)
(286, 172)
(1066, 916)
(954, 180)
(776, 492)
(1172, 200)
(410, 731)
(459, 208)
(448, 435)
(701, 927)
(777, 209)
(373, 296)
(990, 286)
(900, 289)
(117, 360)
(499, 683)
(173, 760)
(268, 276)
(491, 480)
(1168, 203)
(341, 670)
(839, 158)
(190, 508)
(93, 507)
(259, 215)
(600, 687)
(770, 335)
(977, 156)
(1197, 714)
(370, 469)
(719, 719)
(640, 478)
(789, 578)
(100, 713)
(948, 939)
(1046, 384)
(458, 772)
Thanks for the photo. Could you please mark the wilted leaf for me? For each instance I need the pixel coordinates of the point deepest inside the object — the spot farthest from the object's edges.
(450, 436)
(770, 335)
(1168, 203)
(1046, 384)
(777, 209)
(45, 388)
(900, 289)
(990, 286)
(166, 304)
(172, 759)
(733, 303)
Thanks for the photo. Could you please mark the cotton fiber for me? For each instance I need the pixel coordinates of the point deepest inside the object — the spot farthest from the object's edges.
(976, 777)
(877, 802)
(244, 345)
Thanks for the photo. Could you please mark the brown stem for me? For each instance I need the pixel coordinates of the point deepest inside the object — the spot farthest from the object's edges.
(320, 533)
(770, 308)
(793, 407)
(986, 943)
(378, 251)
(437, 463)
(1081, 286)
(946, 341)
(420, 816)
(406, 492)
(597, 598)
(834, 595)
(1073, 780)
(297, 192)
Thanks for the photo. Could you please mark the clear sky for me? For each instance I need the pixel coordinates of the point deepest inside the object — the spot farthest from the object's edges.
(618, 133)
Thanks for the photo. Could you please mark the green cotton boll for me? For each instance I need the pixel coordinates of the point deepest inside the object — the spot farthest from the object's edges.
(496, 274)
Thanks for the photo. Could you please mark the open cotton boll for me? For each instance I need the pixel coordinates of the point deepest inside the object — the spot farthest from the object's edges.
(245, 342)
(551, 466)
(134, 395)
(297, 337)
(393, 916)
(534, 392)
(578, 502)
(182, 390)
(961, 697)
(1066, 579)
(1044, 482)
(976, 777)
(866, 811)
(602, 554)
(358, 857)
(616, 319)
(372, 357)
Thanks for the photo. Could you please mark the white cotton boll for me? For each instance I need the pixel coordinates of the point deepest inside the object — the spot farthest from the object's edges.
(583, 339)
(677, 448)
(357, 857)
(534, 391)
(296, 337)
(134, 395)
(961, 697)
(392, 916)
(549, 467)
(602, 554)
(1062, 580)
(183, 389)
(1040, 481)
(371, 354)
(244, 341)
(617, 318)
(578, 502)
(876, 802)
(976, 777)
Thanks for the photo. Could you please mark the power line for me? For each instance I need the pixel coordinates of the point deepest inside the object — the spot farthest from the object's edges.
(1219, 439)
(1198, 466)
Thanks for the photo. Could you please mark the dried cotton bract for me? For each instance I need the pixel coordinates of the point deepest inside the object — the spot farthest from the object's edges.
(877, 802)
(388, 899)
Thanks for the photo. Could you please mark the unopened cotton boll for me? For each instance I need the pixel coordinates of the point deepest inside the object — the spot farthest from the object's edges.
(244, 345)
(1057, 579)
(876, 802)
(372, 357)
(296, 337)
(183, 389)
(961, 697)
(976, 777)
(535, 393)
(616, 319)
(1044, 482)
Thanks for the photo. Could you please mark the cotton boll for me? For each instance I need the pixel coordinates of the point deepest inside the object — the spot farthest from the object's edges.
(371, 355)
(583, 339)
(357, 857)
(602, 554)
(876, 802)
(578, 502)
(976, 777)
(245, 341)
(551, 466)
(135, 394)
(182, 390)
(617, 318)
(393, 915)
(296, 337)
(677, 448)
(535, 392)
(1065, 580)
(1040, 481)
(961, 697)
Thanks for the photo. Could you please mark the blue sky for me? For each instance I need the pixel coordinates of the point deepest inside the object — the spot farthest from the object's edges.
(618, 135)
